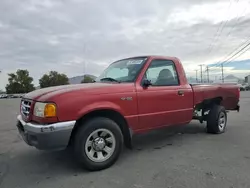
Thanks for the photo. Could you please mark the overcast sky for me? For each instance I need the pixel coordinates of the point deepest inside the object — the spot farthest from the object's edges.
(44, 35)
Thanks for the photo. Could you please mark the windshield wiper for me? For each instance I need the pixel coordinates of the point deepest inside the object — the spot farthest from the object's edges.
(110, 79)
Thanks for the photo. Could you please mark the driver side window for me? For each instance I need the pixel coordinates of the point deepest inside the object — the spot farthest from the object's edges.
(162, 73)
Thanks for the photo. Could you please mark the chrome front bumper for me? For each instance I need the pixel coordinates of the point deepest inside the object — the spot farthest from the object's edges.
(54, 136)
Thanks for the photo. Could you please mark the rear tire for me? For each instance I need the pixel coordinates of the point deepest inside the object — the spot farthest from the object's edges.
(98, 143)
(217, 120)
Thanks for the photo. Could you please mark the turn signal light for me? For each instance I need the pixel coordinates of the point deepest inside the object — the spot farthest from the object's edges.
(50, 110)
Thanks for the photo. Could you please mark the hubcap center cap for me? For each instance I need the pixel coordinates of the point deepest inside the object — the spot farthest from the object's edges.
(99, 144)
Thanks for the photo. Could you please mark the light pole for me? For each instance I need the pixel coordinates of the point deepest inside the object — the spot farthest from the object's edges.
(201, 72)
(196, 76)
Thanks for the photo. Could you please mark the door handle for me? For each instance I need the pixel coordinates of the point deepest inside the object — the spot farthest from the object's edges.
(181, 93)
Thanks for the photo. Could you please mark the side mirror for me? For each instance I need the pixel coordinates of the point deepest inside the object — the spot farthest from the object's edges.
(146, 83)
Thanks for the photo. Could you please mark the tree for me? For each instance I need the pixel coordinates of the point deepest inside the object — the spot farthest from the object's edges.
(87, 79)
(19, 82)
(53, 79)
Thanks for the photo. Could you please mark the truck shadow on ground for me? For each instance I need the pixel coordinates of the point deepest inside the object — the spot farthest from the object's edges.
(61, 163)
(167, 136)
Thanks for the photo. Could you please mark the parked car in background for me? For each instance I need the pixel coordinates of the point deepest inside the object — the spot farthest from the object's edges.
(3, 96)
(242, 87)
(131, 96)
(247, 88)
(16, 96)
(10, 96)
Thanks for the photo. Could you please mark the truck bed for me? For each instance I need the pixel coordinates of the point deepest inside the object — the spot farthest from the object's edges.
(229, 93)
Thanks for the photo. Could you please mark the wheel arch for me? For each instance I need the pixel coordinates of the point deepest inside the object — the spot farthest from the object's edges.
(108, 113)
(208, 103)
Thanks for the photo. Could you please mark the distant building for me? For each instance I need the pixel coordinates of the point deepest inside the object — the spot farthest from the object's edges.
(231, 79)
(78, 79)
(247, 79)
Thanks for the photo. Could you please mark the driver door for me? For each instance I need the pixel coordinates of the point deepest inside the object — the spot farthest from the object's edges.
(161, 105)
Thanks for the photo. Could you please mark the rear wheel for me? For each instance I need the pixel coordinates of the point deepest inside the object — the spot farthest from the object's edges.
(98, 143)
(217, 120)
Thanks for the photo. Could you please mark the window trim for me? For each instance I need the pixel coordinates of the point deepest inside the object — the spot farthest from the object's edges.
(171, 63)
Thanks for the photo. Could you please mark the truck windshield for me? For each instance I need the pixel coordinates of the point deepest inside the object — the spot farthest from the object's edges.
(125, 70)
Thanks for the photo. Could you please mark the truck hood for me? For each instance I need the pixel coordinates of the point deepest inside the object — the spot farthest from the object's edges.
(93, 88)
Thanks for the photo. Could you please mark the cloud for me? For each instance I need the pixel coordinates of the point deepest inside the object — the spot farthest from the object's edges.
(61, 35)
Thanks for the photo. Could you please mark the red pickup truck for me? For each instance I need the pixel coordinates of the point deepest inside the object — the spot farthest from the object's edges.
(131, 96)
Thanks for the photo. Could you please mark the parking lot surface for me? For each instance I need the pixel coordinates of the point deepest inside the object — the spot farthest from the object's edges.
(171, 158)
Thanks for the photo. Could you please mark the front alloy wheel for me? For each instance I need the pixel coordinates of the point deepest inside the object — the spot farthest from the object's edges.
(100, 145)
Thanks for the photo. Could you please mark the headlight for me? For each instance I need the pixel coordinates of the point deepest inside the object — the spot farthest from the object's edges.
(44, 109)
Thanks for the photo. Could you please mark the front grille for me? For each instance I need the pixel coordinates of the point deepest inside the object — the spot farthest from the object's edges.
(25, 107)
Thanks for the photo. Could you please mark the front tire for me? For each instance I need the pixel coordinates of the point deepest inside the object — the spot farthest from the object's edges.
(98, 143)
(217, 120)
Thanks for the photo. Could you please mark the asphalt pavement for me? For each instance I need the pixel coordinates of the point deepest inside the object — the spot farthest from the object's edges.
(171, 158)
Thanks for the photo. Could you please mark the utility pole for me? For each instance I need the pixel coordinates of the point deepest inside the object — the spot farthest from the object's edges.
(222, 72)
(207, 74)
(201, 73)
(196, 75)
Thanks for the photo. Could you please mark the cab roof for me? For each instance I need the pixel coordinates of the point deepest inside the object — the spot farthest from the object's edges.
(155, 57)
